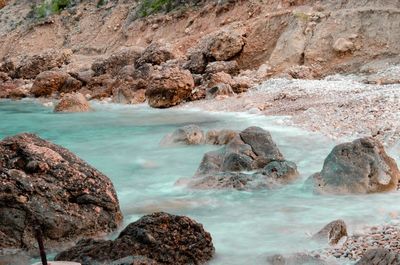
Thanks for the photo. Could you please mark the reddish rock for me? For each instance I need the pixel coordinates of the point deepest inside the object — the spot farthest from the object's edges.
(229, 67)
(162, 237)
(45, 184)
(225, 45)
(169, 86)
(49, 82)
(73, 102)
(155, 54)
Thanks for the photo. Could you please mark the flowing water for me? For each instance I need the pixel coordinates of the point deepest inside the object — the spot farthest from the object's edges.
(123, 143)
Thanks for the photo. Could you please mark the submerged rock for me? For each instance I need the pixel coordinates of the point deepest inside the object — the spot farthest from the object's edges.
(359, 167)
(332, 232)
(220, 137)
(169, 86)
(379, 257)
(73, 102)
(162, 237)
(45, 184)
(251, 160)
(189, 134)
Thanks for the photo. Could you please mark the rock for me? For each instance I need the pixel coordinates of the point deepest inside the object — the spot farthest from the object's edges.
(125, 95)
(220, 137)
(113, 64)
(197, 63)
(61, 193)
(135, 260)
(73, 102)
(332, 232)
(379, 257)
(169, 86)
(100, 86)
(301, 72)
(225, 45)
(343, 45)
(295, 259)
(8, 66)
(189, 134)
(358, 167)
(229, 67)
(162, 237)
(219, 90)
(49, 82)
(30, 66)
(14, 89)
(155, 54)
(249, 150)
(220, 77)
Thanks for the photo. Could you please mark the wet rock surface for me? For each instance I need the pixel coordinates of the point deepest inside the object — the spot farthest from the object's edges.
(332, 233)
(359, 167)
(379, 257)
(45, 184)
(189, 134)
(162, 237)
(73, 102)
(296, 259)
(250, 150)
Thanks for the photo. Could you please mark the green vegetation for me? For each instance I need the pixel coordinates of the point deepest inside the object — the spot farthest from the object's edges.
(149, 7)
(48, 7)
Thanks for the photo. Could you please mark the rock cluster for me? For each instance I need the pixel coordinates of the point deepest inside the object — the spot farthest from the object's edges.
(45, 184)
(159, 238)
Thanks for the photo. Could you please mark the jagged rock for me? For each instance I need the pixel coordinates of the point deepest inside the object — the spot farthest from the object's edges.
(14, 89)
(332, 232)
(49, 82)
(100, 86)
(8, 66)
(225, 45)
(220, 137)
(162, 237)
(45, 184)
(220, 77)
(197, 63)
(155, 54)
(252, 149)
(189, 134)
(342, 45)
(124, 95)
(30, 66)
(379, 257)
(73, 102)
(358, 167)
(219, 90)
(116, 61)
(169, 86)
(229, 67)
(241, 84)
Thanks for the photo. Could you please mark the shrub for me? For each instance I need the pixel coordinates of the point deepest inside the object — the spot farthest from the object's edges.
(48, 7)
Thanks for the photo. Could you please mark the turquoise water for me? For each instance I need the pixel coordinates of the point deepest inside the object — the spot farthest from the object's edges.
(123, 142)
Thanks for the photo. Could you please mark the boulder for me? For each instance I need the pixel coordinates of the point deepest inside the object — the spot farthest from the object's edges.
(135, 260)
(45, 184)
(220, 77)
(8, 65)
(169, 86)
(225, 45)
(162, 237)
(30, 66)
(100, 86)
(14, 89)
(379, 257)
(155, 54)
(220, 137)
(116, 61)
(196, 63)
(241, 84)
(250, 160)
(218, 90)
(49, 82)
(124, 95)
(229, 67)
(332, 233)
(189, 134)
(73, 102)
(343, 45)
(358, 167)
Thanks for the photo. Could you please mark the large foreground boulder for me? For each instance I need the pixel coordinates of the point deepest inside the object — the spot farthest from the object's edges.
(233, 166)
(73, 102)
(45, 184)
(379, 257)
(162, 237)
(358, 167)
(169, 86)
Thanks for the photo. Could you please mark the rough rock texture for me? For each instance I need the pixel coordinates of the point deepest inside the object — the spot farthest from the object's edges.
(114, 63)
(125, 95)
(252, 149)
(189, 134)
(49, 82)
(169, 86)
(229, 67)
(44, 183)
(220, 137)
(156, 53)
(295, 259)
(196, 63)
(162, 237)
(379, 257)
(30, 66)
(361, 166)
(135, 260)
(332, 232)
(225, 45)
(73, 102)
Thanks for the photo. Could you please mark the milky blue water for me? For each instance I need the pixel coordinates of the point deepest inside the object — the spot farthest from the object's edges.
(123, 143)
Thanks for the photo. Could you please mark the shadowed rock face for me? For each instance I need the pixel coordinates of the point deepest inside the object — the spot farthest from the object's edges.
(359, 167)
(160, 237)
(46, 184)
(250, 150)
(379, 257)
